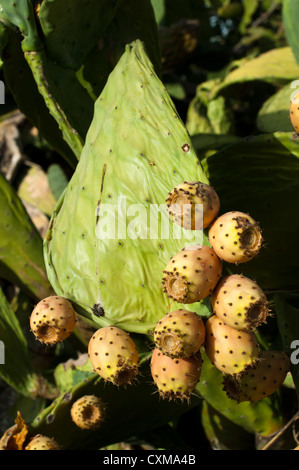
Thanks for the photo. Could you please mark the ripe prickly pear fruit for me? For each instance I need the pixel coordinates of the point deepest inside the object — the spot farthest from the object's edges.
(88, 412)
(52, 320)
(175, 378)
(113, 355)
(240, 302)
(235, 237)
(179, 334)
(40, 442)
(183, 200)
(259, 380)
(230, 350)
(192, 274)
(294, 113)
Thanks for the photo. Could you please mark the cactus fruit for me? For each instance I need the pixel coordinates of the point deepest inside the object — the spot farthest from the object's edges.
(52, 320)
(235, 237)
(175, 378)
(182, 204)
(88, 412)
(230, 350)
(260, 380)
(240, 302)
(179, 334)
(113, 355)
(40, 442)
(294, 112)
(192, 274)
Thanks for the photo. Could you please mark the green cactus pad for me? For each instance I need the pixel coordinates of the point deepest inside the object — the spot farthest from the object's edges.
(16, 368)
(19, 14)
(21, 246)
(58, 87)
(18, 76)
(72, 27)
(137, 149)
(133, 19)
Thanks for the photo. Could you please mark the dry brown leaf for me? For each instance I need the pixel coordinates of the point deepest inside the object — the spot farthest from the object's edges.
(14, 437)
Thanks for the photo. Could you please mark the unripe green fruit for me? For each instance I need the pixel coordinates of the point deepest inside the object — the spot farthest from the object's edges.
(235, 237)
(113, 355)
(179, 334)
(230, 350)
(192, 274)
(184, 198)
(175, 378)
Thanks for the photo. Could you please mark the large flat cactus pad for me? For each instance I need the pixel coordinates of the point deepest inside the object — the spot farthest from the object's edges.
(104, 250)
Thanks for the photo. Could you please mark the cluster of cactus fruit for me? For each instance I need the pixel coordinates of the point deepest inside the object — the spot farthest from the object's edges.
(112, 352)
(239, 307)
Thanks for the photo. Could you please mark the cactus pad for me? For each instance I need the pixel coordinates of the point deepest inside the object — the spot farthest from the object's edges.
(105, 249)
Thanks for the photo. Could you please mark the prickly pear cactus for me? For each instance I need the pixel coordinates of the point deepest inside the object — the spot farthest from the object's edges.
(106, 247)
(21, 256)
